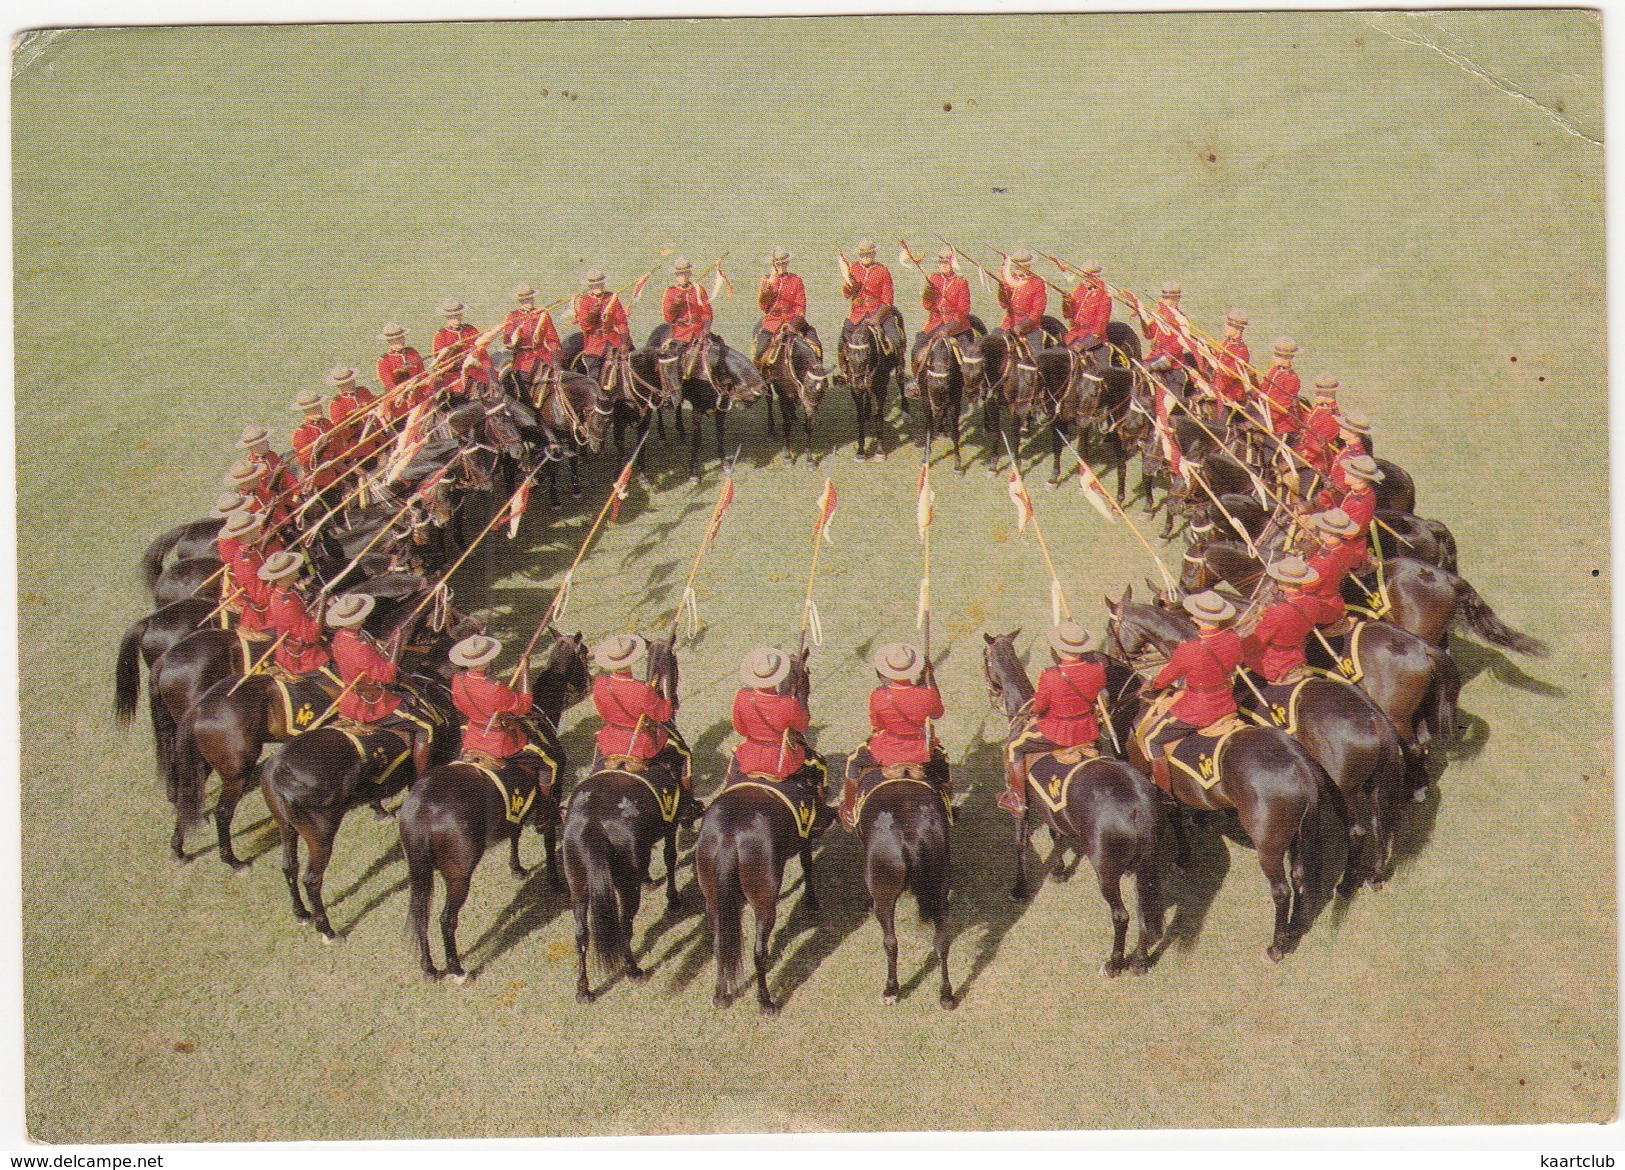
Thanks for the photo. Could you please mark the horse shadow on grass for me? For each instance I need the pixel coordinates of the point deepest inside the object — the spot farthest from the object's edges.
(1475, 658)
(534, 906)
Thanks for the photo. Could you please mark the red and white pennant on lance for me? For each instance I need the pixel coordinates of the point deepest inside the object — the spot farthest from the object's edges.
(811, 622)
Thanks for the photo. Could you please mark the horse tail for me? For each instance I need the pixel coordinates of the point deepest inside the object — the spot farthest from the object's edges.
(127, 674)
(1439, 717)
(607, 869)
(925, 869)
(152, 561)
(728, 916)
(418, 846)
(184, 777)
(1481, 619)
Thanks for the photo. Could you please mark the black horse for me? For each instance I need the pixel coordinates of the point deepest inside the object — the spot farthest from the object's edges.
(942, 370)
(868, 362)
(615, 818)
(746, 837)
(797, 378)
(1111, 812)
(455, 812)
(723, 379)
(181, 543)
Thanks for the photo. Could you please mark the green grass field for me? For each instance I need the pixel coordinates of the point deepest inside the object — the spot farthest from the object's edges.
(207, 219)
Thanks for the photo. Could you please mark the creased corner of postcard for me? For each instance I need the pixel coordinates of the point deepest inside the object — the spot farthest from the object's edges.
(32, 46)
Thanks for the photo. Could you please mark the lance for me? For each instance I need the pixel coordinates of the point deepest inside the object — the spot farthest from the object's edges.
(231, 595)
(1241, 530)
(368, 547)
(809, 608)
(1058, 600)
(255, 669)
(334, 705)
(555, 608)
(1065, 292)
(1167, 578)
(490, 526)
(912, 259)
(712, 527)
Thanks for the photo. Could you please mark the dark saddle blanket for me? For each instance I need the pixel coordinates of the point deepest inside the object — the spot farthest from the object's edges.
(519, 778)
(383, 750)
(1200, 755)
(1343, 663)
(1050, 775)
(801, 791)
(662, 776)
(306, 703)
(873, 776)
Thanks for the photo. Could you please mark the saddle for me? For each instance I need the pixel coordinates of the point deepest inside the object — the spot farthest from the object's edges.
(306, 702)
(798, 791)
(1050, 774)
(1198, 755)
(518, 779)
(1367, 597)
(1345, 658)
(662, 780)
(385, 749)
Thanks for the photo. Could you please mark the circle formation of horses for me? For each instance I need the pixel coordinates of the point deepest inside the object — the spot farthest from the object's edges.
(1294, 669)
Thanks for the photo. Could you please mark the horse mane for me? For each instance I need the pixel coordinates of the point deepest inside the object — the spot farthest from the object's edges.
(1005, 672)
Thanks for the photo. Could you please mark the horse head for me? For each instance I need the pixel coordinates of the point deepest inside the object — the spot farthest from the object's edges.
(564, 679)
(1008, 687)
(736, 378)
(661, 670)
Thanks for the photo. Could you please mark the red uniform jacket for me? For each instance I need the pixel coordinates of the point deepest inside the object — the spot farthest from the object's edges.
(1333, 565)
(625, 704)
(899, 713)
(783, 300)
(870, 290)
(301, 650)
(244, 566)
(1024, 306)
(1165, 330)
(445, 338)
(397, 366)
(763, 718)
(533, 338)
(1065, 702)
(1230, 372)
(1360, 502)
(602, 320)
(348, 438)
(357, 657)
(313, 445)
(276, 492)
(688, 312)
(1205, 663)
(483, 701)
(1089, 310)
(1275, 646)
(1353, 449)
(1280, 391)
(1320, 427)
(946, 298)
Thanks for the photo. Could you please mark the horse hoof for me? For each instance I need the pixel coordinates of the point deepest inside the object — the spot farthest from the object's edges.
(722, 1001)
(958, 471)
(1374, 885)
(1420, 796)
(332, 939)
(179, 860)
(1052, 484)
(888, 997)
(584, 996)
(1060, 876)
(859, 457)
(520, 871)
(638, 976)
(239, 868)
(769, 1010)
(947, 1002)
(991, 473)
(1018, 895)
(1275, 953)
(1111, 968)
(693, 479)
(430, 975)
(1138, 967)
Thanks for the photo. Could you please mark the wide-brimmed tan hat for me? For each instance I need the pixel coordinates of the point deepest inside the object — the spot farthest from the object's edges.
(241, 523)
(474, 652)
(1285, 347)
(1237, 318)
(1292, 571)
(1090, 268)
(392, 332)
(1353, 420)
(618, 651)
(866, 247)
(253, 437)
(341, 376)
(1209, 607)
(1335, 521)
(764, 667)
(1022, 258)
(1071, 638)
(242, 473)
(225, 505)
(1363, 467)
(595, 279)
(281, 566)
(451, 307)
(781, 256)
(1171, 289)
(1326, 386)
(308, 402)
(681, 265)
(349, 611)
(898, 661)
(523, 292)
